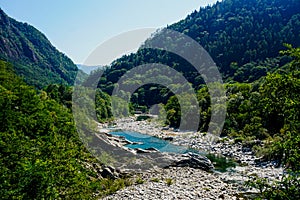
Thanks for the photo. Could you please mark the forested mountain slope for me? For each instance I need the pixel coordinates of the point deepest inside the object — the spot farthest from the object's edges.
(243, 31)
(32, 54)
(243, 38)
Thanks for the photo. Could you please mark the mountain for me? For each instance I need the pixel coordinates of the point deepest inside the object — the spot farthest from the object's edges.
(243, 37)
(88, 69)
(32, 55)
(243, 31)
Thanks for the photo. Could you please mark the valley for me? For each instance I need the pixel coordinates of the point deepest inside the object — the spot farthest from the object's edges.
(226, 129)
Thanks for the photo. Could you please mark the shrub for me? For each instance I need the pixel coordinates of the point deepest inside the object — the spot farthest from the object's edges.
(169, 181)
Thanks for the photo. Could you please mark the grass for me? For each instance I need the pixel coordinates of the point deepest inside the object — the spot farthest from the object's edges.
(139, 180)
(156, 180)
(109, 186)
(169, 181)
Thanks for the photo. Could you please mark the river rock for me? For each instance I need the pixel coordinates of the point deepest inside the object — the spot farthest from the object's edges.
(139, 150)
(168, 138)
(152, 149)
(194, 161)
(110, 172)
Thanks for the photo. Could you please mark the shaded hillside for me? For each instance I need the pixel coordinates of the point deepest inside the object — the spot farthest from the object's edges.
(32, 54)
(243, 37)
(243, 31)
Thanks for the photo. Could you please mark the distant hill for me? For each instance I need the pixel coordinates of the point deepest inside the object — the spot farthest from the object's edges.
(87, 68)
(32, 55)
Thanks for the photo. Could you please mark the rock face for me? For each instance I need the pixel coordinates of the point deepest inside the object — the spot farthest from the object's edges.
(194, 161)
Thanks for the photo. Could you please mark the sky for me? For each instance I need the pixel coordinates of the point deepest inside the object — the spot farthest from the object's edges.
(77, 27)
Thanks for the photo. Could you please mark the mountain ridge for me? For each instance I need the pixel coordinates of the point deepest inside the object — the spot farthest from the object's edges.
(232, 32)
(32, 54)
(241, 54)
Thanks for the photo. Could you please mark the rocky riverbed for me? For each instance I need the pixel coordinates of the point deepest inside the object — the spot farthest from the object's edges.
(178, 183)
(190, 183)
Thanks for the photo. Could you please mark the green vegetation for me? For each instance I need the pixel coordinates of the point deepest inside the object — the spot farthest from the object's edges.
(221, 163)
(241, 34)
(287, 188)
(33, 56)
(243, 38)
(283, 92)
(266, 110)
(169, 181)
(41, 154)
(111, 186)
(142, 117)
(156, 180)
(139, 180)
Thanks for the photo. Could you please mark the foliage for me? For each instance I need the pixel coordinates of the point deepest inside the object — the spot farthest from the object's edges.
(156, 180)
(243, 32)
(111, 186)
(103, 106)
(139, 180)
(60, 93)
(287, 188)
(280, 116)
(169, 181)
(243, 38)
(33, 56)
(41, 154)
(264, 110)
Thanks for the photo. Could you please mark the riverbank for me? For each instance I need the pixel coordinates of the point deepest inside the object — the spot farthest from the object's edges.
(178, 183)
(194, 182)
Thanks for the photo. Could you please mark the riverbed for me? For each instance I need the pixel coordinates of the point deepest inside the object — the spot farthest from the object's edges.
(189, 183)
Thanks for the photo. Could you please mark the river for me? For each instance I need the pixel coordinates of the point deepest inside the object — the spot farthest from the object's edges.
(143, 141)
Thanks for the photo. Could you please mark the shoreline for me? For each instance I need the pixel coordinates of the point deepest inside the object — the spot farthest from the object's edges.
(233, 178)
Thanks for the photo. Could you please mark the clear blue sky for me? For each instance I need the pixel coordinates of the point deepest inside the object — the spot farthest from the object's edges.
(77, 27)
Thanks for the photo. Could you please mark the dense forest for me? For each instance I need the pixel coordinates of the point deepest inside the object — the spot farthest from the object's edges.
(243, 38)
(243, 32)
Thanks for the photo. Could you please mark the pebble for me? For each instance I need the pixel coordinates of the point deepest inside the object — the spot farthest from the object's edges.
(187, 183)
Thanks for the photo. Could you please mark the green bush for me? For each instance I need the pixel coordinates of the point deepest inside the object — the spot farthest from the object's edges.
(287, 188)
(238, 140)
